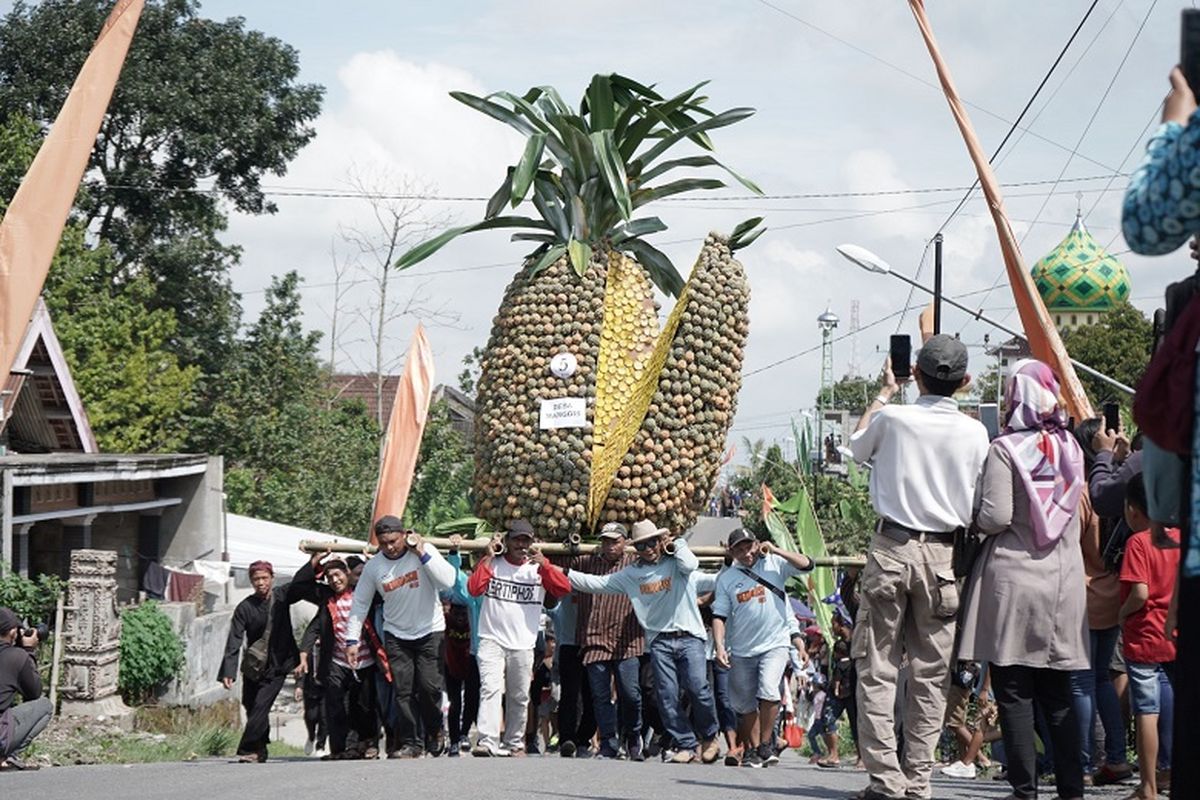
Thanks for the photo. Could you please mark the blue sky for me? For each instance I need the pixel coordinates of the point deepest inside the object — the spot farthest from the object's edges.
(833, 117)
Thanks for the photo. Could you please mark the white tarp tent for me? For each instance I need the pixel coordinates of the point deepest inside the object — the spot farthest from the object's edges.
(252, 539)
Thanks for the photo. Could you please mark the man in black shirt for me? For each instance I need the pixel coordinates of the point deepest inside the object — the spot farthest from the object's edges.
(259, 689)
(19, 675)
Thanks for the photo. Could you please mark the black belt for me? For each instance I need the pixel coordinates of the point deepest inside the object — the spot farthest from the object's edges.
(674, 634)
(903, 534)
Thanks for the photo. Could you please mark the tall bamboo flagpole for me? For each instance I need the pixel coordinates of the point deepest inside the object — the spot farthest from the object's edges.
(1043, 337)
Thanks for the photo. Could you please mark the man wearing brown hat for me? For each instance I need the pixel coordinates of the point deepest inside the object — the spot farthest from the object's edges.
(926, 459)
(662, 585)
(19, 676)
(611, 643)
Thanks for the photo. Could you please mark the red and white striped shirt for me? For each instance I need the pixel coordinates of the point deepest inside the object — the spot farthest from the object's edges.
(339, 610)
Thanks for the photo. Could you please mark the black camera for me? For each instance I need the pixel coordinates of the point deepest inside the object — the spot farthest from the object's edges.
(41, 631)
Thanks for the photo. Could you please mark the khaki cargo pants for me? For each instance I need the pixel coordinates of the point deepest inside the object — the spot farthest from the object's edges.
(908, 602)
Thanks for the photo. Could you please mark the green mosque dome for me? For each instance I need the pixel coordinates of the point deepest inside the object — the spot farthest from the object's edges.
(1079, 276)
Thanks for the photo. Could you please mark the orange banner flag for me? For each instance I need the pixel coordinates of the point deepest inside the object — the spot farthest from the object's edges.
(1043, 337)
(402, 442)
(35, 218)
(768, 503)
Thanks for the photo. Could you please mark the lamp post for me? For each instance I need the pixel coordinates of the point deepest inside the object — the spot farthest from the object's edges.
(864, 258)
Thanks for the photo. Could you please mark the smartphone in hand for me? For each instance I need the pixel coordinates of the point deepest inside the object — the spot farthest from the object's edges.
(1112, 416)
(900, 351)
(1189, 47)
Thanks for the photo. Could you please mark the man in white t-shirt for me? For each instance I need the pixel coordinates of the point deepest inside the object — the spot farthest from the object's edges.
(408, 577)
(514, 588)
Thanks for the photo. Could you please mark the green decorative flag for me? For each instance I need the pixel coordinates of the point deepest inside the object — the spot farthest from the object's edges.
(808, 539)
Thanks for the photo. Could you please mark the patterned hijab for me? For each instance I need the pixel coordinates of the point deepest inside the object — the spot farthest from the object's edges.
(1044, 454)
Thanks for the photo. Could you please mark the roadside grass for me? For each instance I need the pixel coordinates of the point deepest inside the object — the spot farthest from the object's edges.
(159, 734)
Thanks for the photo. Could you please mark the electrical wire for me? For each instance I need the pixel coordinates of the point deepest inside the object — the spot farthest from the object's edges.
(1013, 128)
(917, 78)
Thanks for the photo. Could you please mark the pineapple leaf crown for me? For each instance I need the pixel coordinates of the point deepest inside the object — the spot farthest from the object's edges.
(588, 170)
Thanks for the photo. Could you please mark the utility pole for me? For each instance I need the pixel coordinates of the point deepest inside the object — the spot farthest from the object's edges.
(937, 283)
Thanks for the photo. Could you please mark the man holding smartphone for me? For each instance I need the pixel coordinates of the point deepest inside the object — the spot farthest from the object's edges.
(926, 459)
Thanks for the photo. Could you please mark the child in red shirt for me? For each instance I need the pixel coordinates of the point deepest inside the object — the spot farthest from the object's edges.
(1147, 583)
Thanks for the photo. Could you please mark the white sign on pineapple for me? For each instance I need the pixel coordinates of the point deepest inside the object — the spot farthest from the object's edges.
(563, 412)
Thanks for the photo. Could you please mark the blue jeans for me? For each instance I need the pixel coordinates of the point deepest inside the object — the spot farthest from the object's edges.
(1092, 691)
(679, 666)
(720, 684)
(629, 692)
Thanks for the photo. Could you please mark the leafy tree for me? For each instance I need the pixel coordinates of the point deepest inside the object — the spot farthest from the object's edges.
(468, 379)
(290, 455)
(853, 394)
(134, 389)
(1118, 346)
(19, 140)
(442, 482)
(842, 505)
(198, 101)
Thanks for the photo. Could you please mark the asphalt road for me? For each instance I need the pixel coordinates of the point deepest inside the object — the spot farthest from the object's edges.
(467, 779)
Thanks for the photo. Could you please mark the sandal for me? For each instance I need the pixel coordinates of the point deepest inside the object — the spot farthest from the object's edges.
(825, 763)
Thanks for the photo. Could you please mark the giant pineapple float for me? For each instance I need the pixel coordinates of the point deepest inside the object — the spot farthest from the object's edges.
(587, 411)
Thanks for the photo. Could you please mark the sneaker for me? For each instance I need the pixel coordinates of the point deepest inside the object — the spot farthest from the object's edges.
(567, 750)
(768, 756)
(583, 751)
(436, 745)
(486, 751)
(710, 749)
(635, 750)
(959, 770)
(683, 757)
(608, 751)
(309, 744)
(454, 753)
(408, 751)
(753, 760)
(19, 765)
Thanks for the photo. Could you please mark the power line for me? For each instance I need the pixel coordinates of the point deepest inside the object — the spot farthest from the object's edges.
(1075, 150)
(335, 194)
(815, 348)
(915, 77)
(1013, 128)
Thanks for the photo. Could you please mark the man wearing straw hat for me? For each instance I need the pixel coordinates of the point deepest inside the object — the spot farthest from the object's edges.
(662, 585)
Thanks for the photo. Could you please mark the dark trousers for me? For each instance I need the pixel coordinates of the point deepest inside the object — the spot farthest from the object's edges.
(629, 692)
(350, 705)
(417, 678)
(27, 720)
(464, 701)
(257, 699)
(576, 717)
(314, 711)
(1017, 689)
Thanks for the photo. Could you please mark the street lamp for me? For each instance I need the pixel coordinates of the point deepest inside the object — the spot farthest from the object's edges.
(864, 258)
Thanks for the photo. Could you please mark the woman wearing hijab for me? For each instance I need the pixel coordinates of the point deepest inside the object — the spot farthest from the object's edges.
(1026, 611)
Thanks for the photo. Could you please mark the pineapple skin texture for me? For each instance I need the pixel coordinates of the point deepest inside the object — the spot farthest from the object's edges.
(523, 472)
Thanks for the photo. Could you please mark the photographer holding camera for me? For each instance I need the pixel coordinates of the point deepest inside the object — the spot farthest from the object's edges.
(19, 724)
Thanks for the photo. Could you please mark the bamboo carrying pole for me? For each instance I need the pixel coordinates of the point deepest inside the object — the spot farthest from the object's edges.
(704, 553)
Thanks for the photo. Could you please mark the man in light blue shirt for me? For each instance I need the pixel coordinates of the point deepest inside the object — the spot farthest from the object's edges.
(751, 619)
(662, 585)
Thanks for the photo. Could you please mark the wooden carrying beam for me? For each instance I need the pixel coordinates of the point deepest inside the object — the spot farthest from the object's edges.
(549, 548)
